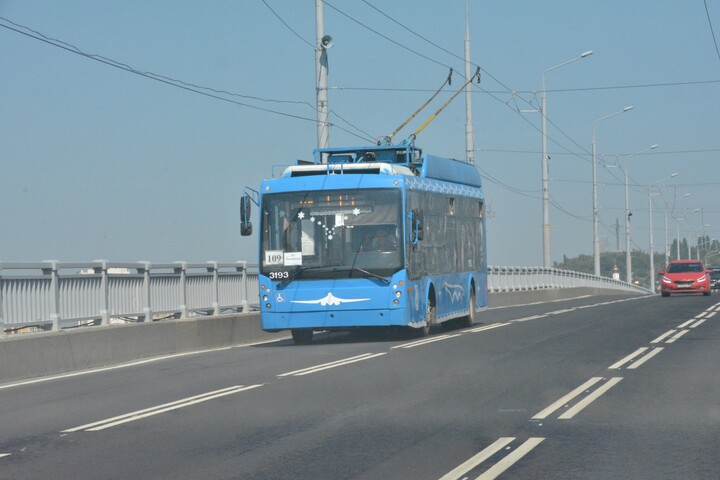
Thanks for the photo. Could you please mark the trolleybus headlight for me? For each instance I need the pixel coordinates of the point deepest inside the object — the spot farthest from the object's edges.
(398, 294)
(396, 302)
(265, 298)
(267, 305)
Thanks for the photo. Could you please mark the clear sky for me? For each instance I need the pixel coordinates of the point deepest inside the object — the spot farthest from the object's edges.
(101, 163)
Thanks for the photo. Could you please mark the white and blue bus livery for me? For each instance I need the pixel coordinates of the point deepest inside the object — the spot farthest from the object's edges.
(367, 237)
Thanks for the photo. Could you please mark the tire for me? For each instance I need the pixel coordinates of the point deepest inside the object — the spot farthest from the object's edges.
(430, 313)
(302, 337)
(665, 294)
(469, 319)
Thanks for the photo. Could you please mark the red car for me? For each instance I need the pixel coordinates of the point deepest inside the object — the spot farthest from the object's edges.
(685, 276)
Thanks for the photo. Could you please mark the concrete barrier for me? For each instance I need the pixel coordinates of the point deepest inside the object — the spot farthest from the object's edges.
(41, 354)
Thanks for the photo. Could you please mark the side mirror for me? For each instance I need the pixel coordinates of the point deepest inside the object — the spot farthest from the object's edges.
(245, 210)
(661, 273)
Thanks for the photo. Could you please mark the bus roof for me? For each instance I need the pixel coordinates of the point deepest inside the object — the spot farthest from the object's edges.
(404, 159)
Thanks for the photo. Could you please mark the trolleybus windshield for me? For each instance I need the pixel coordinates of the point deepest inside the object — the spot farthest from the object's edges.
(331, 234)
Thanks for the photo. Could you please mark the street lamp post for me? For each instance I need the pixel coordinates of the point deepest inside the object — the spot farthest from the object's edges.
(628, 256)
(677, 225)
(547, 258)
(596, 237)
(652, 253)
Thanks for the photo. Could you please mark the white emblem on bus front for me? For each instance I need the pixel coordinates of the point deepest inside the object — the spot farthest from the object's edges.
(330, 299)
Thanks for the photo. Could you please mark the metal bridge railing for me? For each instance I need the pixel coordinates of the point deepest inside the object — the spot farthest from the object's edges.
(513, 279)
(60, 294)
(55, 295)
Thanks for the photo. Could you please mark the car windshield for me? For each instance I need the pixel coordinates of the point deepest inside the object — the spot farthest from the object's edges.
(685, 268)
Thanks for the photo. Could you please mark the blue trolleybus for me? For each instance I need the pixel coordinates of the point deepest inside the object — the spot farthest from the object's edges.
(367, 237)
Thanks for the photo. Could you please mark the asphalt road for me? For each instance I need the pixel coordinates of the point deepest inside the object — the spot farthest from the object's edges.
(610, 387)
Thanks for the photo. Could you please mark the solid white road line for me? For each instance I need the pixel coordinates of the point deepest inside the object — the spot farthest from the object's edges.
(337, 363)
(426, 341)
(627, 359)
(186, 402)
(532, 317)
(663, 336)
(540, 303)
(476, 460)
(550, 409)
(115, 367)
(487, 327)
(677, 335)
(570, 413)
(645, 358)
(511, 459)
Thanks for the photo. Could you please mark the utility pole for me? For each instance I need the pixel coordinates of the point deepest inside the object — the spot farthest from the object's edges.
(322, 43)
(469, 134)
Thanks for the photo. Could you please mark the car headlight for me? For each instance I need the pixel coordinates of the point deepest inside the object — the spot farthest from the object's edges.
(666, 280)
(702, 279)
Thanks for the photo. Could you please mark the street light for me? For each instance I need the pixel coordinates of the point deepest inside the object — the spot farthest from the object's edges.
(677, 225)
(596, 238)
(652, 253)
(547, 260)
(628, 257)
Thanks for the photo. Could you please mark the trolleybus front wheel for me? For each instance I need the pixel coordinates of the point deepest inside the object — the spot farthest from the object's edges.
(424, 331)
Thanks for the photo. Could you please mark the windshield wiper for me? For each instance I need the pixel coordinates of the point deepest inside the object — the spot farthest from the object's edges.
(374, 275)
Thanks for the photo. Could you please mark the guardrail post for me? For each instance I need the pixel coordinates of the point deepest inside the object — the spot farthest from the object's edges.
(54, 294)
(182, 270)
(216, 287)
(147, 308)
(2, 321)
(244, 301)
(104, 292)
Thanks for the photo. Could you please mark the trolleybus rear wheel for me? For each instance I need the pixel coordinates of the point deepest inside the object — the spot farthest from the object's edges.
(468, 320)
